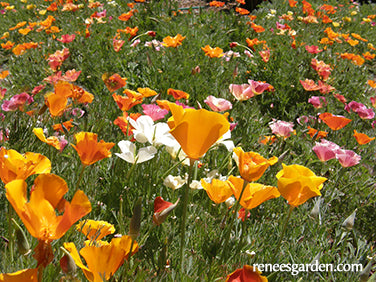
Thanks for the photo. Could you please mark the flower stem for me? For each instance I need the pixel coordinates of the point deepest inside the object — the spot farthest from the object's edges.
(80, 177)
(283, 230)
(184, 215)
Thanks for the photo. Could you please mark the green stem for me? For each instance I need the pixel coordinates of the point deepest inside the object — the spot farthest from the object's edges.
(283, 230)
(80, 177)
(184, 215)
(228, 230)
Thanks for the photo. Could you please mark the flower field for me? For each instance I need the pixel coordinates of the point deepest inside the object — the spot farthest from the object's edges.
(148, 141)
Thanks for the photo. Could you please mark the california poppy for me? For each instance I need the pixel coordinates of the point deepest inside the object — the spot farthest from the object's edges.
(113, 82)
(30, 275)
(173, 41)
(103, 259)
(247, 273)
(196, 130)
(212, 52)
(333, 121)
(362, 138)
(218, 191)
(254, 193)
(89, 149)
(162, 209)
(95, 230)
(14, 165)
(297, 184)
(177, 94)
(252, 165)
(53, 141)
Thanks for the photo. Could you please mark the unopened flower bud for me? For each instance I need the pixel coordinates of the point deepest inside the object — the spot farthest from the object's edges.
(364, 274)
(134, 227)
(315, 212)
(21, 240)
(349, 222)
(67, 264)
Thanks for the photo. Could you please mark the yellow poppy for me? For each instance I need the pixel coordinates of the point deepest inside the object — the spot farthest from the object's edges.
(297, 184)
(89, 149)
(218, 191)
(52, 140)
(196, 130)
(95, 229)
(102, 260)
(254, 193)
(13, 165)
(252, 165)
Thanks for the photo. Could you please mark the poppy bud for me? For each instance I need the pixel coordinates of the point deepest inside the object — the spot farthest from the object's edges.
(67, 263)
(21, 240)
(364, 274)
(315, 212)
(162, 209)
(134, 227)
(349, 222)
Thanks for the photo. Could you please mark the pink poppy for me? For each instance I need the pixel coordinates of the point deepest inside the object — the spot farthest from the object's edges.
(2, 92)
(340, 98)
(154, 111)
(325, 150)
(16, 102)
(362, 111)
(218, 104)
(241, 92)
(258, 87)
(325, 88)
(71, 75)
(317, 101)
(66, 38)
(313, 49)
(281, 128)
(347, 158)
(38, 89)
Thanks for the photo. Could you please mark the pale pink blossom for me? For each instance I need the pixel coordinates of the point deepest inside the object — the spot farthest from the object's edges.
(362, 111)
(154, 111)
(258, 87)
(218, 104)
(67, 38)
(241, 92)
(326, 150)
(348, 158)
(135, 43)
(281, 128)
(313, 49)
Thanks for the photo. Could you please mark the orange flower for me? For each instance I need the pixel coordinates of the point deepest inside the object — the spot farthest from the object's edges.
(371, 83)
(212, 52)
(52, 140)
(30, 275)
(65, 126)
(257, 28)
(126, 103)
(216, 4)
(218, 191)
(333, 121)
(95, 230)
(81, 96)
(297, 184)
(4, 74)
(113, 82)
(13, 165)
(253, 42)
(173, 41)
(368, 56)
(123, 123)
(147, 92)
(102, 259)
(265, 55)
(57, 101)
(247, 273)
(162, 209)
(177, 94)
(8, 45)
(292, 3)
(362, 138)
(24, 31)
(196, 130)
(309, 85)
(268, 140)
(357, 36)
(20, 24)
(125, 16)
(241, 11)
(314, 132)
(89, 149)
(252, 165)
(254, 193)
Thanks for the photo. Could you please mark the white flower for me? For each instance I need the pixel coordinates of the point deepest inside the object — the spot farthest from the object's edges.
(128, 152)
(226, 140)
(156, 134)
(174, 182)
(176, 152)
(196, 185)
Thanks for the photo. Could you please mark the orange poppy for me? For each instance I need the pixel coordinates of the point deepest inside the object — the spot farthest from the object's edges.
(89, 149)
(213, 52)
(257, 28)
(196, 130)
(52, 140)
(218, 191)
(254, 193)
(66, 125)
(81, 96)
(102, 259)
(162, 209)
(113, 82)
(297, 184)
(371, 83)
(362, 138)
(252, 165)
(314, 132)
(333, 121)
(13, 165)
(242, 11)
(247, 273)
(125, 16)
(30, 275)
(177, 94)
(125, 103)
(4, 74)
(123, 123)
(147, 92)
(95, 230)
(173, 41)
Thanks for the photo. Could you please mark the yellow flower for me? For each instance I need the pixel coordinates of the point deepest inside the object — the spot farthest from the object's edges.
(218, 191)
(254, 193)
(89, 149)
(102, 260)
(30, 275)
(297, 184)
(13, 165)
(196, 130)
(95, 230)
(252, 165)
(52, 140)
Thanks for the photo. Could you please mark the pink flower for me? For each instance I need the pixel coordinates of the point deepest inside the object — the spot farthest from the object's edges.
(154, 111)
(317, 101)
(362, 111)
(241, 92)
(305, 119)
(265, 55)
(16, 102)
(347, 158)
(2, 92)
(56, 60)
(326, 150)
(135, 43)
(313, 49)
(71, 75)
(218, 104)
(258, 87)
(38, 89)
(67, 38)
(248, 54)
(78, 112)
(281, 128)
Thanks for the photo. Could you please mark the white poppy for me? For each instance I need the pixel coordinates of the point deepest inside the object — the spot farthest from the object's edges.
(128, 152)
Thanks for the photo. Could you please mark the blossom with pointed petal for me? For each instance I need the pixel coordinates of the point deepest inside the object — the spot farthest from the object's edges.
(218, 104)
(128, 152)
